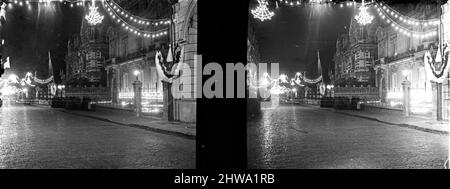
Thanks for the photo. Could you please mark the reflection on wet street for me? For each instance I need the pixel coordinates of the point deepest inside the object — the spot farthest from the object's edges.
(308, 137)
(37, 137)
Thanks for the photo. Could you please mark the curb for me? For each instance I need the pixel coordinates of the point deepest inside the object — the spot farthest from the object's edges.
(434, 131)
(156, 130)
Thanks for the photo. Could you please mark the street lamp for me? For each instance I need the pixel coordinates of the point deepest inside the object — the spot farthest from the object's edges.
(406, 85)
(405, 74)
(136, 73)
(137, 88)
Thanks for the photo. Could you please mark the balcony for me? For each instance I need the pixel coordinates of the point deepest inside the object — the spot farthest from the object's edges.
(142, 53)
(400, 56)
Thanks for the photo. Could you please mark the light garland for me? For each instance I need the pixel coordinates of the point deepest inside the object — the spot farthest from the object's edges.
(363, 18)
(261, 12)
(405, 19)
(94, 16)
(403, 30)
(133, 29)
(136, 19)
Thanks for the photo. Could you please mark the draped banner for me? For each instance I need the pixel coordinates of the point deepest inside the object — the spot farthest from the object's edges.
(312, 81)
(163, 72)
(437, 68)
(299, 77)
(45, 81)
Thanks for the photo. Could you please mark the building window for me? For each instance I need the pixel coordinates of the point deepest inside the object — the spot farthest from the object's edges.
(125, 81)
(394, 81)
(124, 46)
(393, 41)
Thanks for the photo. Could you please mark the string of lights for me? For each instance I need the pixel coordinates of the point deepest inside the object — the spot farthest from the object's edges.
(136, 19)
(133, 29)
(305, 2)
(95, 18)
(405, 19)
(46, 2)
(405, 31)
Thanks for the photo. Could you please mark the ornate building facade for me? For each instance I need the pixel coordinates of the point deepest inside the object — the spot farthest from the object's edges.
(185, 28)
(356, 52)
(86, 55)
(400, 59)
(132, 57)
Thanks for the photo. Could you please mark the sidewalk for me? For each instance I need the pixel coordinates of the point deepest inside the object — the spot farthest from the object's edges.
(398, 119)
(127, 118)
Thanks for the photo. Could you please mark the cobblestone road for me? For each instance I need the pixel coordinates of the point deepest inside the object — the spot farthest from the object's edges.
(36, 137)
(302, 137)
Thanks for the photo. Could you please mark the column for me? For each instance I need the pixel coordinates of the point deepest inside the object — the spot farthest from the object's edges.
(406, 97)
(137, 86)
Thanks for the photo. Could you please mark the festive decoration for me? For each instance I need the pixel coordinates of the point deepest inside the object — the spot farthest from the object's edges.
(405, 19)
(45, 81)
(405, 31)
(132, 29)
(94, 16)
(437, 68)
(261, 12)
(135, 19)
(363, 17)
(2, 12)
(169, 74)
(135, 25)
(7, 64)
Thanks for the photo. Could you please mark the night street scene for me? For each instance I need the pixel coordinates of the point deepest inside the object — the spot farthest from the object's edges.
(361, 84)
(87, 84)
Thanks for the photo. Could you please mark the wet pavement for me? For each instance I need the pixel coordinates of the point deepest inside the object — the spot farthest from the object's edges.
(36, 137)
(305, 137)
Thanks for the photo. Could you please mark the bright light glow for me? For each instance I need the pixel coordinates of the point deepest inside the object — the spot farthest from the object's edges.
(136, 72)
(94, 16)
(13, 78)
(283, 78)
(8, 90)
(145, 95)
(405, 72)
(394, 95)
(363, 18)
(261, 12)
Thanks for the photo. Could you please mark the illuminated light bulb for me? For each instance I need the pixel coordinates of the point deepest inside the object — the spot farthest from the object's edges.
(94, 16)
(262, 12)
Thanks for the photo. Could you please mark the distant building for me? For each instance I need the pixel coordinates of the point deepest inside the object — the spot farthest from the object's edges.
(355, 54)
(86, 55)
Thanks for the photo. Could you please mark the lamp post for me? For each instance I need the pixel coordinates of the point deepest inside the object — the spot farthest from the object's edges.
(406, 93)
(137, 87)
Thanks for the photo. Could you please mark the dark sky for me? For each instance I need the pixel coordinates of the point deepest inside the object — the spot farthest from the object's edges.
(293, 36)
(30, 34)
